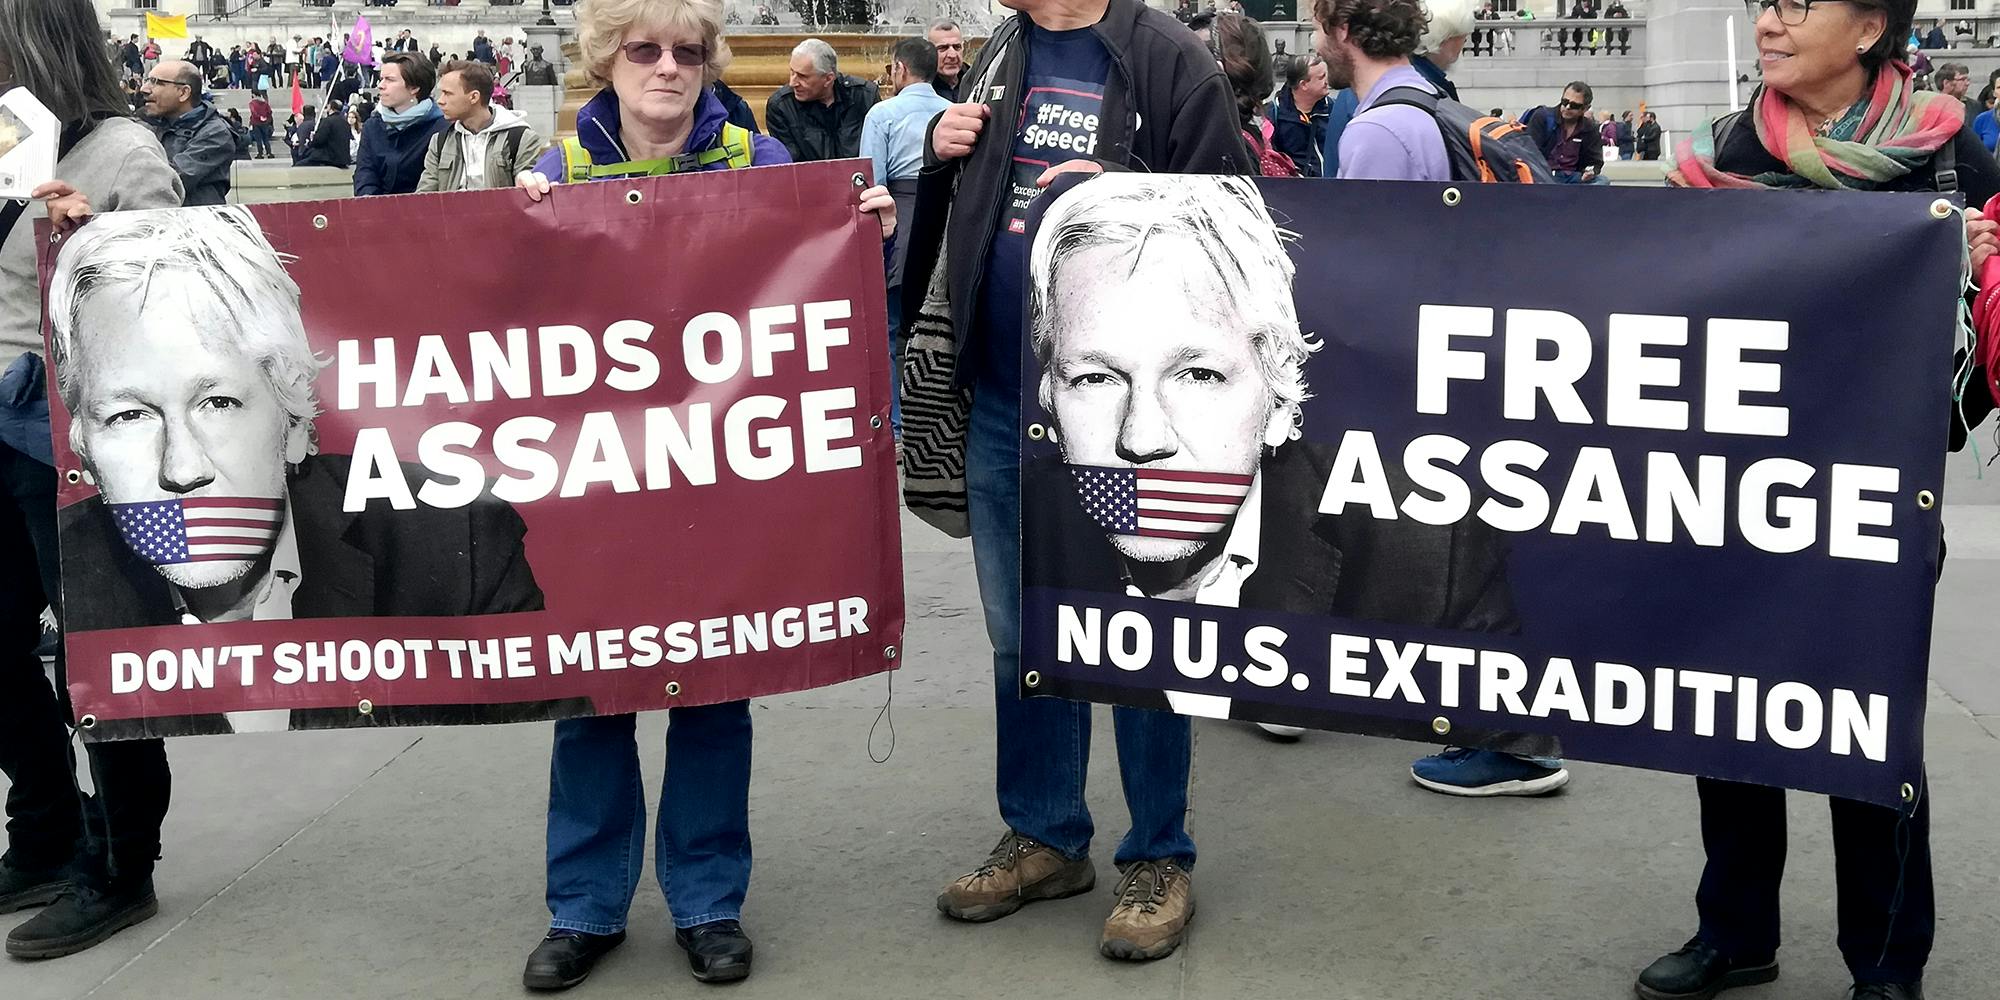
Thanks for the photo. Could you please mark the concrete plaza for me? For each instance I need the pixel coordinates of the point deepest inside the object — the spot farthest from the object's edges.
(408, 863)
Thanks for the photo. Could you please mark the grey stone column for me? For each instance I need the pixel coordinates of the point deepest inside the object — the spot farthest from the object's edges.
(1687, 59)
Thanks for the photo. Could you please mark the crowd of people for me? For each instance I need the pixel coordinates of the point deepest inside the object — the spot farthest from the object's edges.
(959, 151)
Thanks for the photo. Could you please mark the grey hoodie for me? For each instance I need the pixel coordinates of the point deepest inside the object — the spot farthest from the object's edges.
(118, 166)
(445, 159)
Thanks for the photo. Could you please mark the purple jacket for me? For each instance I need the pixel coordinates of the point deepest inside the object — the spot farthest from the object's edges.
(597, 128)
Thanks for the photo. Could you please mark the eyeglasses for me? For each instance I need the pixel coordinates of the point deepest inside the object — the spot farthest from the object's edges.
(648, 53)
(157, 82)
(1791, 13)
(1568, 105)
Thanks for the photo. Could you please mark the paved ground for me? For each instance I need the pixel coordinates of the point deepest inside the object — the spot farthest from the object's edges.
(408, 863)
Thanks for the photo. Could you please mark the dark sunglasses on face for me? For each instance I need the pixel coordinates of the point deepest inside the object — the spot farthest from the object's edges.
(1568, 105)
(648, 53)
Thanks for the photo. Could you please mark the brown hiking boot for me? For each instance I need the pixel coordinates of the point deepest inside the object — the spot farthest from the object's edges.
(1020, 871)
(1155, 904)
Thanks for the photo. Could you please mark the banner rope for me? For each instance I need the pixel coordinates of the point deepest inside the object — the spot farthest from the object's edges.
(879, 717)
(1970, 337)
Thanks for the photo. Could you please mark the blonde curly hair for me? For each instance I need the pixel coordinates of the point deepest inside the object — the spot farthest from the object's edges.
(602, 24)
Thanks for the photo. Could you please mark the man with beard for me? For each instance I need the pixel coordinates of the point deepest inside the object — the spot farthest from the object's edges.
(1367, 46)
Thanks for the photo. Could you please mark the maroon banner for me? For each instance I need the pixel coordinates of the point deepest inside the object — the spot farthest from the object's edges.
(467, 458)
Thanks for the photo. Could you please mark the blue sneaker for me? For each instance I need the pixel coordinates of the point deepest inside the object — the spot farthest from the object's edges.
(1465, 771)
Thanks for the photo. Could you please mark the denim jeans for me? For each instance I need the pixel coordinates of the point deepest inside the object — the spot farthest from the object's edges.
(1043, 750)
(597, 819)
(896, 362)
(1576, 177)
(111, 838)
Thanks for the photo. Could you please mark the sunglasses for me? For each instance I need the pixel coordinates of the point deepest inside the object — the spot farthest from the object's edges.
(1568, 105)
(648, 53)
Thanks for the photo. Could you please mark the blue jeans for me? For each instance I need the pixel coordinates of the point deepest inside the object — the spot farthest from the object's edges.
(1576, 177)
(896, 362)
(1043, 751)
(597, 819)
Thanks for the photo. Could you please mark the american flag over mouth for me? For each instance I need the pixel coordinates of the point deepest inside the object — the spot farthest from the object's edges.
(207, 529)
(1160, 503)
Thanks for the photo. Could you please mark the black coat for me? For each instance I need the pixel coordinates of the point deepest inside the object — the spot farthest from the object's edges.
(819, 131)
(1300, 135)
(391, 161)
(1167, 108)
(379, 562)
(329, 144)
(1545, 126)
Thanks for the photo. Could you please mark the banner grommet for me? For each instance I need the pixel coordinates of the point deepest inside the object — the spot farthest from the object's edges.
(1941, 209)
(1441, 726)
(633, 197)
(1036, 432)
(889, 652)
(90, 722)
(319, 222)
(1926, 499)
(875, 422)
(673, 689)
(1032, 678)
(1909, 792)
(859, 180)
(73, 476)
(365, 707)
(1452, 197)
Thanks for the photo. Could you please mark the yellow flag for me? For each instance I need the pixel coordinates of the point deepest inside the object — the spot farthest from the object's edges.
(158, 26)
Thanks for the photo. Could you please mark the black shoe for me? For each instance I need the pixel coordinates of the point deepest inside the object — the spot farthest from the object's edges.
(718, 951)
(22, 888)
(1697, 972)
(80, 918)
(1886, 991)
(565, 958)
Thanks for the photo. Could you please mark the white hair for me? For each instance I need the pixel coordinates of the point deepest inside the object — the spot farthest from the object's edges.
(825, 60)
(1226, 219)
(219, 252)
(1448, 20)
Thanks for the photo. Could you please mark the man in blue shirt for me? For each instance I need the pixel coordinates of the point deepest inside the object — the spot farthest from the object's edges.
(892, 137)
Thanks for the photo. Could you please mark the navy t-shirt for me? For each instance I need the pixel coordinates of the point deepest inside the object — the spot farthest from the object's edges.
(1061, 106)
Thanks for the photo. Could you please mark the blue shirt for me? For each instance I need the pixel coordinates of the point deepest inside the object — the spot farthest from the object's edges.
(1987, 129)
(1061, 102)
(893, 133)
(1340, 111)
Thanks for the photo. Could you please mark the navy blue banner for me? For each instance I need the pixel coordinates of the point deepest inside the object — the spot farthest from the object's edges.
(1648, 477)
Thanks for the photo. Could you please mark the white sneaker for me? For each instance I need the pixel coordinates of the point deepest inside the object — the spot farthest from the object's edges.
(1288, 734)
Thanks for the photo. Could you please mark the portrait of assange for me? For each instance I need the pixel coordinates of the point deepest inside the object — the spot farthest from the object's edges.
(1173, 373)
(181, 354)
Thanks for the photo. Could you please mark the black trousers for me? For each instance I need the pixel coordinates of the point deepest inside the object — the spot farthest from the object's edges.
(113, 836)
(1882, 870)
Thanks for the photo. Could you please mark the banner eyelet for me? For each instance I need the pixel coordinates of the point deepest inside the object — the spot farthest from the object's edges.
(634, 196)
(875, 422)
(859, 179)
(1441, 726)
(319, 222)
(673, 689)
(1909, 792)
(1926, 499)
(90, 722)
(1941, 209)
(1032, 678)
(890, 652)
(73, 477)
(365, 707)
(1452, 197)
(1036, 432)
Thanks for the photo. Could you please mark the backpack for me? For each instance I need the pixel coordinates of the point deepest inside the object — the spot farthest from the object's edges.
(1482, 149)
(1271, 161)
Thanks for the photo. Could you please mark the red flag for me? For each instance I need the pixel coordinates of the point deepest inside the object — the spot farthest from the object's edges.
(298, 99)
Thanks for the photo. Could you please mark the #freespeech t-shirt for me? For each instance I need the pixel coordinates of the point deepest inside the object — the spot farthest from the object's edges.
(1061, 106)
